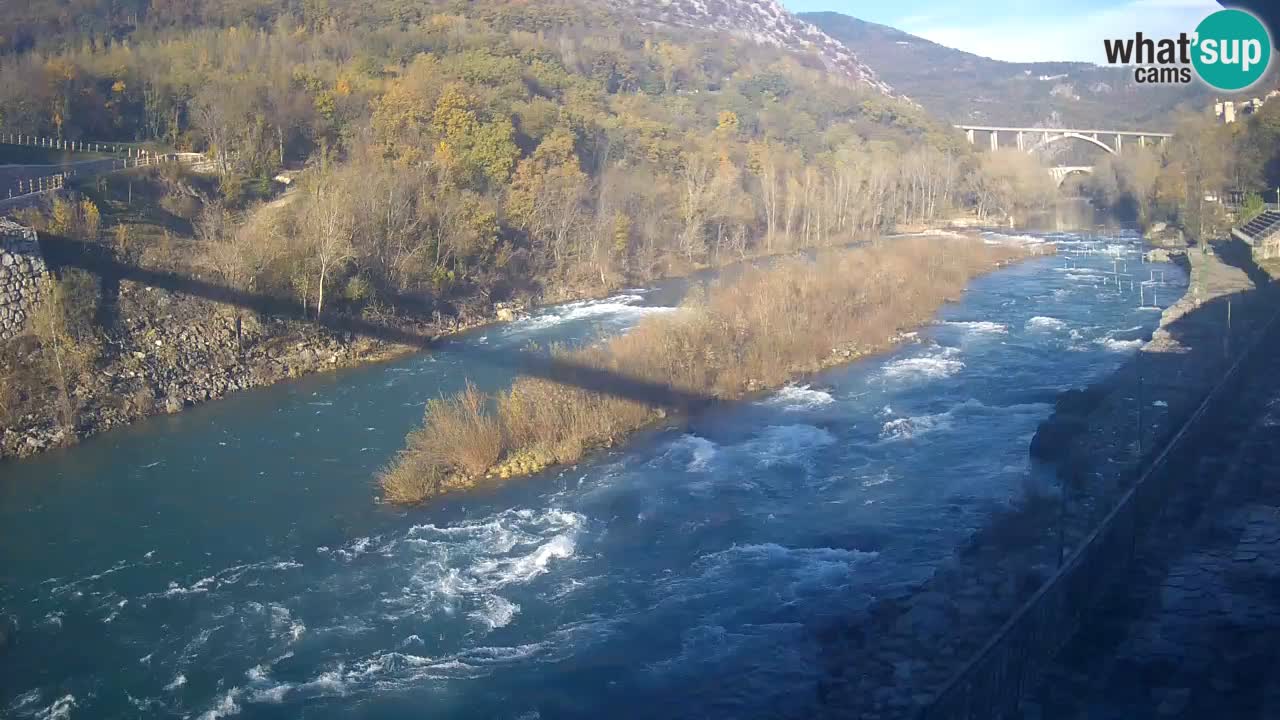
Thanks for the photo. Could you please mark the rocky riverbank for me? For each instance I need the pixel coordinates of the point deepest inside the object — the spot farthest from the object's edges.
(889, 662)
(165, 352)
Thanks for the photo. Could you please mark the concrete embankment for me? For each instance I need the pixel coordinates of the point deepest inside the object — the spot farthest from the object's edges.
(1192, 630)
(889, 663)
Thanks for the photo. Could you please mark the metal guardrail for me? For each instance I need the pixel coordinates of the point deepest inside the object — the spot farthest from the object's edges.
(51, 143)
(991, 684)
(25, 190)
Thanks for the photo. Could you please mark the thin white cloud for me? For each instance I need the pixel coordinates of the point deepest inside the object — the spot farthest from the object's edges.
(1066, 36)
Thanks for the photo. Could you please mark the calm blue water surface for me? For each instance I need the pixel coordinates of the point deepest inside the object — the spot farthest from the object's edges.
(230, 560)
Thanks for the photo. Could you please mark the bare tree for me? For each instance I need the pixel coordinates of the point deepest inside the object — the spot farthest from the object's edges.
(326, 227)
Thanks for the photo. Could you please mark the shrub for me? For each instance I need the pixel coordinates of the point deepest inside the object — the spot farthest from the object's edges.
(90, 220)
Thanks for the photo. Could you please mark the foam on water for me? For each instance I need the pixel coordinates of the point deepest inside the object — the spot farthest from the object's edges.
(1016, 239)
(1084, 277)
(906, 428)
(979, 326)
(284, 625)
(59, 709)
(911, 427)
(1115, 345)
(222, 579)
(393, 669)
(462, 566)
(224, 707)
(622, 308)
(883, 478)
(795, 398)
(1041, 322)
(178, 681)
(940, 364)
(699, 451)
(272, 694)
(496, 612)
(25, 700)
(786, 444)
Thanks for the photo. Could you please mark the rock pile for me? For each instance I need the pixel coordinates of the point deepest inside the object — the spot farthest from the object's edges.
(21, 268)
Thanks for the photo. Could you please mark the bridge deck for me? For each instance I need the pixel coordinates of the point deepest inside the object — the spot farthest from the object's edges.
(1122, 133)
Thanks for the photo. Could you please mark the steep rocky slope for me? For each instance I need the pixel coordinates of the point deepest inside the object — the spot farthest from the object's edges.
(764, 21)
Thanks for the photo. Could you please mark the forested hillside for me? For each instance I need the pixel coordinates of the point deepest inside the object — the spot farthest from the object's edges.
(454, 150)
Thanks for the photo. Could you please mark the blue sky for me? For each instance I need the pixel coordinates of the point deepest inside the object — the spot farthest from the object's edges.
(1025, 30)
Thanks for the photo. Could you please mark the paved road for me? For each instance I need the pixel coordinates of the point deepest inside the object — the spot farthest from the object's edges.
(10, 175)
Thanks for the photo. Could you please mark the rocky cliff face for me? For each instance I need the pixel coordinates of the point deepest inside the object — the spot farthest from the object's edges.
(21, 268)
(763, 21)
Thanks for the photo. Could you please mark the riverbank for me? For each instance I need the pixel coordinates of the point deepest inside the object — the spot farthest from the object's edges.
(169, 352)
(165, 351)
(759, 331)
(889, 663)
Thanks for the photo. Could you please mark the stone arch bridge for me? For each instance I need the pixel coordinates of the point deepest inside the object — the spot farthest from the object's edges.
(1034, 139)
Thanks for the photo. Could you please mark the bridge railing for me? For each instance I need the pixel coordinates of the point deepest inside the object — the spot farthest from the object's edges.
(990, 686)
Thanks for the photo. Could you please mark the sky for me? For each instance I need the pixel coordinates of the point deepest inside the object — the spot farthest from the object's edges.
(1025, 30)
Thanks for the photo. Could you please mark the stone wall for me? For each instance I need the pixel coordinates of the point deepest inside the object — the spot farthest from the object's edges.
(21, 269)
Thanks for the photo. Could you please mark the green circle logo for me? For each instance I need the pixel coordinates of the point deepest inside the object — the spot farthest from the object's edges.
(1232, 49)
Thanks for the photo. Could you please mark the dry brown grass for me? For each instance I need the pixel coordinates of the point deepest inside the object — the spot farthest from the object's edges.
(762, 329)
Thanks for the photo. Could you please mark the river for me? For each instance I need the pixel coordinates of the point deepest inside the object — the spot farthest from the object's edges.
(230, 560)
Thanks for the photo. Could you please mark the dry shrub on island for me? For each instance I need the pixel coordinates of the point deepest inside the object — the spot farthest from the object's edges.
(765, 327)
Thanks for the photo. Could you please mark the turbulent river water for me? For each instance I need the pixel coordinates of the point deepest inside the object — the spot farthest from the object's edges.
(230, 560)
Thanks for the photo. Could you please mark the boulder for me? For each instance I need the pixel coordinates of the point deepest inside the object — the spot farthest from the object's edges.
(1070, 419)
(511, 310)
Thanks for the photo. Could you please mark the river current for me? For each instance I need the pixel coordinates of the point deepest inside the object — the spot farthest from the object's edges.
(230, 561)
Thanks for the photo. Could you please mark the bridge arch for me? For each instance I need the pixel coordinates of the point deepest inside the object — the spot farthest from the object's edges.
(1074, 135)
(1061, 173)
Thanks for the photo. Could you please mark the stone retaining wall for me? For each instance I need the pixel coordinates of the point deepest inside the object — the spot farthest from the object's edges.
(21, 269)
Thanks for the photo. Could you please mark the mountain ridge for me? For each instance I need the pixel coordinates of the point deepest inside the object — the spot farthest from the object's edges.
(964, 87)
